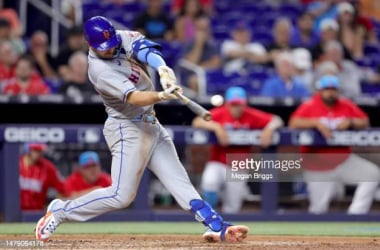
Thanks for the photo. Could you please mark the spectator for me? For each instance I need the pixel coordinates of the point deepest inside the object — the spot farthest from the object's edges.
(329, 166)
(349, 74)
(303, 67)
(73, 10)
(304, 35)
(349, 33)
(284, 83)
(87, 177)
(201, 51)
(74, 41)
(6, 35)
(11, 16)
(281, 35)
(184, 26)
(154, 23)
(327, 68)
(206, 5)
(79, 85)
(8, 60)
(322, 10)
(240, 52)
(370, 8)
(27, 80)
(329, 32)
(323, 69)
(354, 30)
(235, 114)
(37, 175)
(39, 49)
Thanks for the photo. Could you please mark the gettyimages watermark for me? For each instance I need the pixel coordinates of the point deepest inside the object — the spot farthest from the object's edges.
(288, 167)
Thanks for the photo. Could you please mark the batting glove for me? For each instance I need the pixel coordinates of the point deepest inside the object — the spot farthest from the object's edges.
(167, 76)
(168, 94)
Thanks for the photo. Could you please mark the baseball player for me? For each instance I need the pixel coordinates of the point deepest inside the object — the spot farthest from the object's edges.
(235, 114)
(87, 177)
(326, 167)
(37, 175)
(136, 139)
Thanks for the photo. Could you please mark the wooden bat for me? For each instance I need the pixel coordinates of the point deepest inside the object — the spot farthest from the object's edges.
(195, 107)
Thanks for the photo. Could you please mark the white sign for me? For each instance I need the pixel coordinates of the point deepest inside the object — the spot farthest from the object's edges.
(38, 134)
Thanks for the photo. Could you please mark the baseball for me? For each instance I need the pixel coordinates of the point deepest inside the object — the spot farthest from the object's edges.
(217, 100)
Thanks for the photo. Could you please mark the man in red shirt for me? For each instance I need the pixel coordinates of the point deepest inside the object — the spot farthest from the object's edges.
(37, 175)
(8, 60)
(235, 114)
(329, 166)
(27, 80)
(88, 177)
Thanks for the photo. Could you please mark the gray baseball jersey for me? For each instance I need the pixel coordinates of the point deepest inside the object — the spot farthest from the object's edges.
(134, 145)
(114, 79)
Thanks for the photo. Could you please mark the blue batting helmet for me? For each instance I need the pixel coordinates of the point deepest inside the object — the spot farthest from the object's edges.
(100, 33)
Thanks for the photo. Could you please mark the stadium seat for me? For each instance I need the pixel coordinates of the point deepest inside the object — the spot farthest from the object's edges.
(371, 49)
(171, 51)
(370, 89)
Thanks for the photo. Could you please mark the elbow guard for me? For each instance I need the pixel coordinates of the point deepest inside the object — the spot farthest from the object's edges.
(146, 47)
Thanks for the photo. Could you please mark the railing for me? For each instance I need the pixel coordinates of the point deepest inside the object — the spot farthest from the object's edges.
(198, 71)
(12, 135)
(57, 19)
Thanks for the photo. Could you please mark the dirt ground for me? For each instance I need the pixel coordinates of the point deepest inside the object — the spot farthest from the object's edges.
(117, 241)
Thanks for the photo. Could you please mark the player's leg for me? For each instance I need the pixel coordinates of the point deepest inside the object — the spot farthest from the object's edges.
(169, 170)
(131, 148)
(357, 170)
(213, 177)
(321, 189)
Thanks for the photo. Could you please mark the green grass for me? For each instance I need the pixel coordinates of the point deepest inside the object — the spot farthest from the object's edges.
(260, 228)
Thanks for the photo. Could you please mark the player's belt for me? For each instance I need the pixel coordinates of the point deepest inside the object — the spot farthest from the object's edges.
(147, 118)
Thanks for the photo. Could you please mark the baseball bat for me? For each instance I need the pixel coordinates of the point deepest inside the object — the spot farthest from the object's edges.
(195, 107)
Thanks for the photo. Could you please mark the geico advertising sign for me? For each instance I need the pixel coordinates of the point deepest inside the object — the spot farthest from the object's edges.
(358, 138)
(38, 134)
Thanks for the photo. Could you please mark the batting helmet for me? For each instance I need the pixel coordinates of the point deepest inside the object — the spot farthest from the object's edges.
(100, 33)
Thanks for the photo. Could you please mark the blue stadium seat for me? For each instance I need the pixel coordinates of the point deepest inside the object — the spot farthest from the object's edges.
(262, 36)
(218, 82)
(171, 51)
(370, 88)
(371, 49)
(366, 61)
(291, 9)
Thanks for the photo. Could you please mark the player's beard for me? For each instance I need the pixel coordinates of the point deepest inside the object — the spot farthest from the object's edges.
(330, 101)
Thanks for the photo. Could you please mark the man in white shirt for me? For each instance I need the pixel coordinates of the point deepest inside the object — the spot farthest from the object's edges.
(240, 51)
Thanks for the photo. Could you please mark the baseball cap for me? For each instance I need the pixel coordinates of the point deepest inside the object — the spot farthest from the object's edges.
(301, 58)
(36, 146)
(328, 81)
(345, 7)
(88, 158)
(329, 23)
(236, 95)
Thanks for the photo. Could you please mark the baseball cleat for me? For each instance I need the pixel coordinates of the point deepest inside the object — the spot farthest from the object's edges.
(47, 224)
(229, 233)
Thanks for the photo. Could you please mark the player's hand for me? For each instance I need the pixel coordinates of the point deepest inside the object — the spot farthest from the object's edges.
(168, 94)
(324, 130)
(266, 137)
(167, 76)
(344, 124)
(221, 135)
